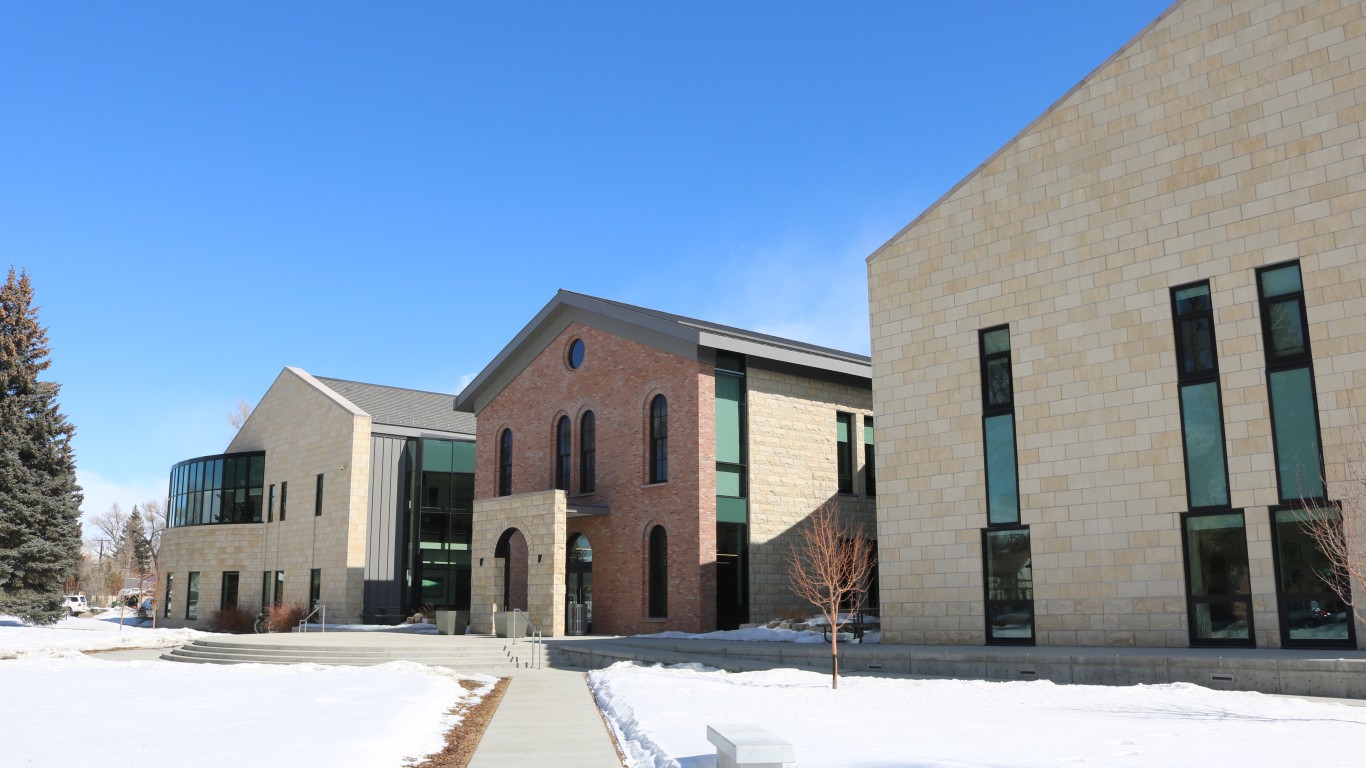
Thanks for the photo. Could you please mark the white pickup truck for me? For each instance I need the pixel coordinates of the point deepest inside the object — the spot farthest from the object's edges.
(76, 604)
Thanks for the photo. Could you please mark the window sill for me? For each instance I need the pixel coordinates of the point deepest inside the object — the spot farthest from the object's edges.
(656, 485)
(655, 619)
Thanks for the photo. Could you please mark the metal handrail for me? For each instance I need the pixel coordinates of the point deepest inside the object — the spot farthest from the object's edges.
(532, 632)
(322, 619)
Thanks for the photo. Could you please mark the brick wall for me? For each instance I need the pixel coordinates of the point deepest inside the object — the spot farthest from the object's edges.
(617, 381)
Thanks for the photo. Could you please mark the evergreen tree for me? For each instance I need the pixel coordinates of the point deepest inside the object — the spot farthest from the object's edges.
(40, 532)
(140, 548)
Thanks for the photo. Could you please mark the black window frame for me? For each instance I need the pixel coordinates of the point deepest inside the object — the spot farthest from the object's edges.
(1281, 364)
(1193, 600)
(844, 453)
(192, 596)
(564, 442)
(318, 497)
(1284, 598)
(658, 592)
(315, 587)
(235, 578)
(588, 452)
(170, 592)
(270, 505)
(869, 460)
(989, 602)
(1195, 379)
(659, 440)
(505, 462)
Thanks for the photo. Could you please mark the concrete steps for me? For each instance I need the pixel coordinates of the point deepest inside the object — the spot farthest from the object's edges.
(490, 656)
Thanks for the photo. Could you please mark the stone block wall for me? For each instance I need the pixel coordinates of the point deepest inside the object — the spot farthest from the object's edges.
(1227, 136)
(305, 430)
(793, 470)
(540, 516)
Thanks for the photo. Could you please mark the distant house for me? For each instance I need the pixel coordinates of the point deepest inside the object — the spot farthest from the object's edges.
(638, 471)
(1115, 362)
(357, 496)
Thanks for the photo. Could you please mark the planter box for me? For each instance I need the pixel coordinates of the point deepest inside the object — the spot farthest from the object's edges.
(452, 622)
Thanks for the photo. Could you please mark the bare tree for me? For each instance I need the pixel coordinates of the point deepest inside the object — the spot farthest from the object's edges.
(238, 415)
(154, 521)
(1340, 535)
(830, 566)
(111, 523)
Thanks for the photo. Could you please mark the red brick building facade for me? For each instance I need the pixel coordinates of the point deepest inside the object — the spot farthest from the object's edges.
(583, 355)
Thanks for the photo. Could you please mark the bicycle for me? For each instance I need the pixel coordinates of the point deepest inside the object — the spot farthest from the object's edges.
(259, 627)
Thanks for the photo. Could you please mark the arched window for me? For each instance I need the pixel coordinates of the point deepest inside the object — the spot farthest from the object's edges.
(659, 439)
(505, 463)
(562, 454)
(588, 452)
(659, 573)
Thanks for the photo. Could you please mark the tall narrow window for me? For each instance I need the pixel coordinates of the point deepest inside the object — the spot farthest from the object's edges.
(192, 597)
(588, 452)
(1007, 558)
(732, 491)
(265, 589)
(1312, 616)
(844, 452)
(1290, 378)
(659, 439)
(318, 497)
(998, 428)
(279, 587)
(270, 505)
(562, 449)
(170, 591)
(284, 499)
(1202, 421)
(659, 573)
(505, 463)
(228, 595)
(1218, 578)
(315, 587)
(869, 458)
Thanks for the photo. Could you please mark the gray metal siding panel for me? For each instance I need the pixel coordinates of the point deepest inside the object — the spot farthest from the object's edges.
(383, 555)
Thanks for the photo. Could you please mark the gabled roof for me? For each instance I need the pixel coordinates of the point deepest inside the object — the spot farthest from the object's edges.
(1025, 131)
(400, 407)
(680, 335)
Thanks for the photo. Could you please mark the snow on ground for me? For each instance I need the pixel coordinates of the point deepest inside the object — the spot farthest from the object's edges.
(69, 636)
(660, 716)
(770, 634)
(162, 714)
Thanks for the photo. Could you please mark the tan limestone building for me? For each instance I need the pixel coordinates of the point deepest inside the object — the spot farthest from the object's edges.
(356, 496)
(1114, 361)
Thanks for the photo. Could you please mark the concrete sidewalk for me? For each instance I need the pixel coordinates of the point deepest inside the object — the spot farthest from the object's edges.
(547, 717)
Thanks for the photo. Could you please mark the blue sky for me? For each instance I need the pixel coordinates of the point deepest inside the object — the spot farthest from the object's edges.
(204, 194)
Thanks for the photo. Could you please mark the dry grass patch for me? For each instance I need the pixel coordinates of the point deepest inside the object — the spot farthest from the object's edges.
(463, 739)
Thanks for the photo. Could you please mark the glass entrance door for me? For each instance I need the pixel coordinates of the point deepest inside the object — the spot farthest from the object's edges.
(578, 586)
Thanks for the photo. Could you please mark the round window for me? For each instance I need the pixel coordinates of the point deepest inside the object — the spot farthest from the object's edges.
(576, 353)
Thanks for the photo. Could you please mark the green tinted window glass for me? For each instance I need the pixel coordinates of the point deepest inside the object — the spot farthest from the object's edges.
(730, 481)
(1193, 299)
(1003, 496)
(728, 394)
(258, 471)
(996, 341)
(436, 456)
(842, 428)
(1278, 282)
(731, 510)
(1287, 329)
(1205, 470)
(868, 430)
(1297, 436)
(1009, 575)
(462, 456)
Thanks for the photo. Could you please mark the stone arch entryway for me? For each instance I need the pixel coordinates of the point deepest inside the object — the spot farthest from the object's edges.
(578, 583)
(512, 548)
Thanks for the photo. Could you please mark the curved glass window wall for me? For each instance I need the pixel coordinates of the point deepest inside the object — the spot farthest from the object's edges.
(217, 489)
